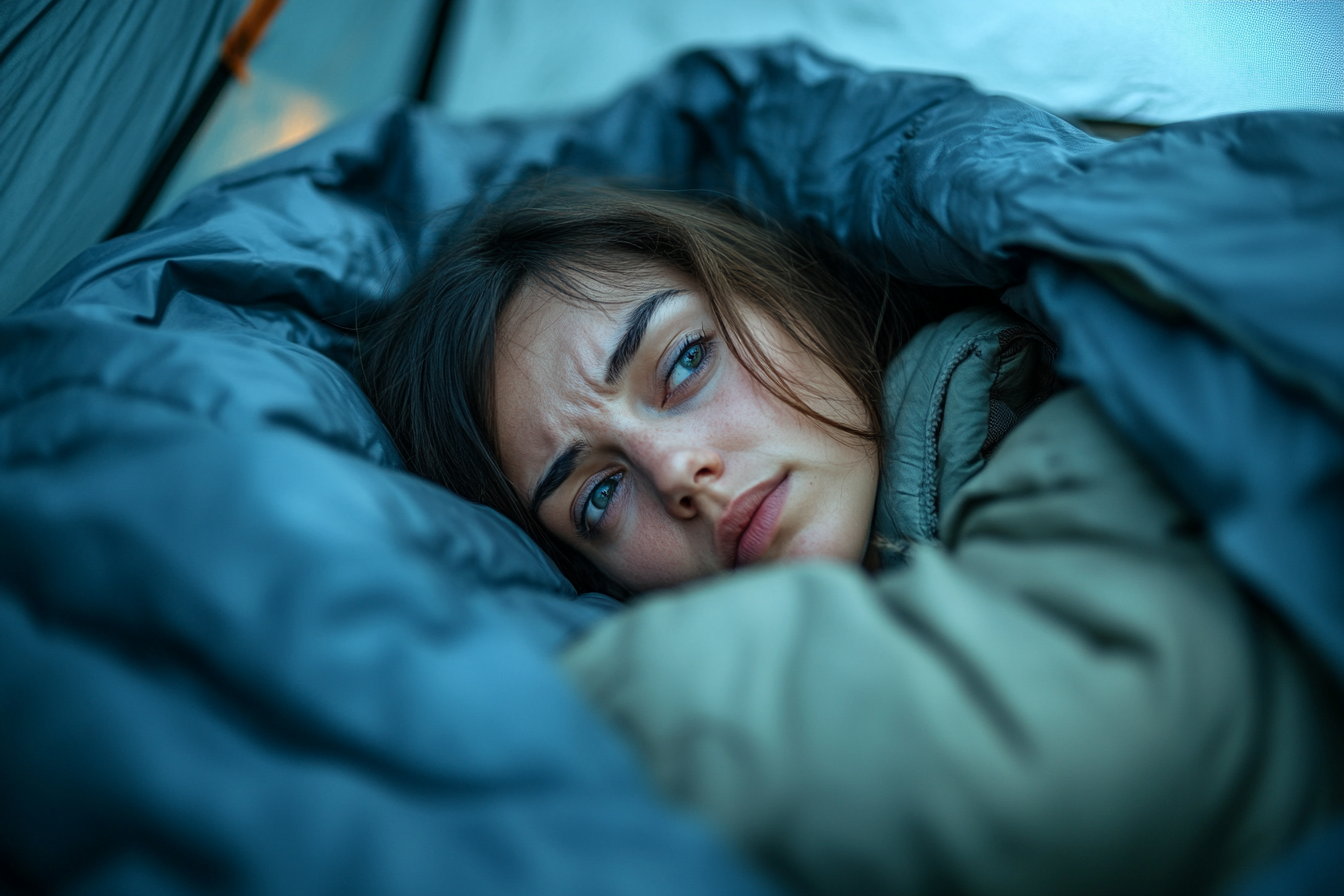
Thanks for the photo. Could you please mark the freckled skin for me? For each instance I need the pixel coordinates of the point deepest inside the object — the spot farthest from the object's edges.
(683, 456)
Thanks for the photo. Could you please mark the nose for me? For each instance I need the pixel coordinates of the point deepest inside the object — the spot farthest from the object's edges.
(681, 474)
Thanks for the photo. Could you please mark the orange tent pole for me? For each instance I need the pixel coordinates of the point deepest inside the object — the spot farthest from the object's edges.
(242, 39)
(245, 34)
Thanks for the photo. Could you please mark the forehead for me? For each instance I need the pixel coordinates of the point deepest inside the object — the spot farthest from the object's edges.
(551, 352)
(527, 327)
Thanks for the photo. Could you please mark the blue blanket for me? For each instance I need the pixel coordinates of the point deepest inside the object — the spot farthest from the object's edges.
(243, 649)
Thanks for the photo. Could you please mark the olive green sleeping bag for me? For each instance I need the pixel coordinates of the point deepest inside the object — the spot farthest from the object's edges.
(1053, 686)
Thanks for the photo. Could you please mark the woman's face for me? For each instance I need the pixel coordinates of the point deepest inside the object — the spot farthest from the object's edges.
(640, 440)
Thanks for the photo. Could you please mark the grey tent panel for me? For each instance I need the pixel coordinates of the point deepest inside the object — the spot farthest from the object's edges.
(1147, 61)
(90, 90)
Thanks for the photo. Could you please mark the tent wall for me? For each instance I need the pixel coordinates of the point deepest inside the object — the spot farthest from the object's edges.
(321, 61)
(1148, 61)
(90, 90)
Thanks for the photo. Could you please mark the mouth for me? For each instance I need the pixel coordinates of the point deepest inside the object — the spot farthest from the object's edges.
(747, 528)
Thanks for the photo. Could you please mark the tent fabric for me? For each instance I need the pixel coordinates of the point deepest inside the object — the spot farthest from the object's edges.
(319, 61)
(1148, 61)
(90, 91)
(242, 647)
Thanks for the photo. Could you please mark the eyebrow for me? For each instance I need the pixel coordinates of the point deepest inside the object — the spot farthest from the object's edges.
(556, 474)
(636, 323)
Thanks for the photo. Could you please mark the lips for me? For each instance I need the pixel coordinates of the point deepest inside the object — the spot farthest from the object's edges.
(747, 527)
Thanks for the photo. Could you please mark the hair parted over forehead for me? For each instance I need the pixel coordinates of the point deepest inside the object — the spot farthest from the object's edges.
(428, 363)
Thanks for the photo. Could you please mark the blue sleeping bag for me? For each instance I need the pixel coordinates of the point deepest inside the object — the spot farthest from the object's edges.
(243, 650)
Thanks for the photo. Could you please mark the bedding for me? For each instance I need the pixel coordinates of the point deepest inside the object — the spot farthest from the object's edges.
(243, 650)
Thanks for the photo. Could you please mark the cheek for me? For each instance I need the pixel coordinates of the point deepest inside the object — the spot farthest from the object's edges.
(656, 554)
(743, 415)
(838, 532)
(736, 417)
(841, 497)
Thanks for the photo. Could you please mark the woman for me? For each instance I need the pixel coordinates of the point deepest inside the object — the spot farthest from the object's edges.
(581, 327)
(1052, 686)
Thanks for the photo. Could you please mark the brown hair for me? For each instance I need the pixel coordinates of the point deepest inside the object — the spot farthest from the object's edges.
(427, 365)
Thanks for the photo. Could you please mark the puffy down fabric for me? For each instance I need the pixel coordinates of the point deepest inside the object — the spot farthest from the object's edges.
(242, 649)
(1067, 694)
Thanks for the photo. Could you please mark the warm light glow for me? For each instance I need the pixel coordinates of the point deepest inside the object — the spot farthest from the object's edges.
(304, 116)
(269, 114)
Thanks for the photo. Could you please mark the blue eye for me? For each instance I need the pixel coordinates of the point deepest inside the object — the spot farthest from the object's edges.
(691, 359)
(594, 508)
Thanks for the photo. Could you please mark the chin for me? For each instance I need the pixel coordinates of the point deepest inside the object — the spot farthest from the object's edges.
(827, 546)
